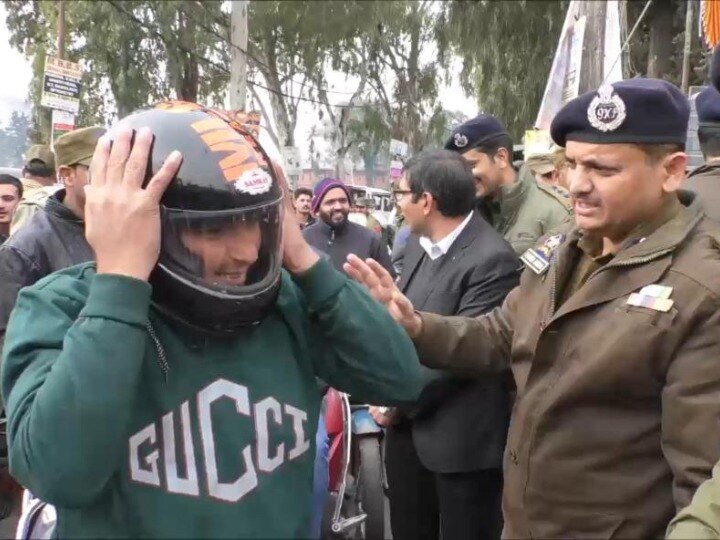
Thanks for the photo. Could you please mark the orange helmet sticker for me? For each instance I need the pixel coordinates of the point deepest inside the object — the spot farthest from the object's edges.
(220, 137)
(176, 106)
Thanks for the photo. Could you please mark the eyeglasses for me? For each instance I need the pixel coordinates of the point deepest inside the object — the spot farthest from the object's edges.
(399, 193)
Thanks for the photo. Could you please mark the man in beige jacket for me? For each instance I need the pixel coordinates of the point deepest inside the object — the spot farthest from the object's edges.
(39, 182)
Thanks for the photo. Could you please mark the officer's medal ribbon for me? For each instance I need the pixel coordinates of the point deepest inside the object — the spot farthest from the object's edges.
(655, 297)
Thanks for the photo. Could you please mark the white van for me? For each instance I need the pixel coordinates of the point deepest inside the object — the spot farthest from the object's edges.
(384, 204)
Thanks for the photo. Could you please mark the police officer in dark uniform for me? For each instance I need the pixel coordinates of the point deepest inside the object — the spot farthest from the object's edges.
(705, 180)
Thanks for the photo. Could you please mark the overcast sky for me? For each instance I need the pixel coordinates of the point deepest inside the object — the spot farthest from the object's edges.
(18, 74)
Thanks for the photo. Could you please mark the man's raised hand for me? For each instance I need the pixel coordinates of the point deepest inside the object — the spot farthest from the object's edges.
(381, 286)
(122, 219)
(298, 256)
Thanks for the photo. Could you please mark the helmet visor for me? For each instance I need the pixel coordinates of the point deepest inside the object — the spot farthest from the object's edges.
(233, 253)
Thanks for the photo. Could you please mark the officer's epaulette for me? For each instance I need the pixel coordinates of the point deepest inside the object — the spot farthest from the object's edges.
(538, 258)
(559, 193)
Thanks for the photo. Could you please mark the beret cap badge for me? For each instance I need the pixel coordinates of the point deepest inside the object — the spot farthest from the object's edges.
(607, 110)
(460, 140)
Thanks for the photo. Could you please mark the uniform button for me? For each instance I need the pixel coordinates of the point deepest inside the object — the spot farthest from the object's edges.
(513, 457)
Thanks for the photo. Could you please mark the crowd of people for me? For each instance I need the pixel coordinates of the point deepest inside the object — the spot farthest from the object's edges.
(540, 343)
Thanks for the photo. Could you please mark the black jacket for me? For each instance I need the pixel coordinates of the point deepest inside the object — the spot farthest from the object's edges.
(705, 182)
(53, 239)
(460, 424)
(352, 238)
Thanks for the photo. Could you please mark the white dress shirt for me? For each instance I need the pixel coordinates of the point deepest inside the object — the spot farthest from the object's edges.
(437, 250)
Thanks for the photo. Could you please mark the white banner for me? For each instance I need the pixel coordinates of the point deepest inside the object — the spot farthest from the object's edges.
(564, 81)
(552, 97)
(612, 61)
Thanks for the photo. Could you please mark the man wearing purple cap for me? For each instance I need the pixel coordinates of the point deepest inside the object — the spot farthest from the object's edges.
(612, 334)
(336, 236)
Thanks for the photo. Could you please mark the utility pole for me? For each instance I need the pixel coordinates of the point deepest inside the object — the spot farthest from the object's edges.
(591, 74)
(686, 48)
(238, 66)
(61, 29)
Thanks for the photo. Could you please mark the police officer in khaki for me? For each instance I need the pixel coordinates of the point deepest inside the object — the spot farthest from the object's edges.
(514, 203)
(39, 182)
(613, 335)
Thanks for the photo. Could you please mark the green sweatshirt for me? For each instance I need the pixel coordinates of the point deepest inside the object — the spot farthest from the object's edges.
(132, 429)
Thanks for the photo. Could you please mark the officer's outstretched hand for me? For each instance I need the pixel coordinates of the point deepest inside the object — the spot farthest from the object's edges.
(298, 256)
(122, 220)
(381, 286)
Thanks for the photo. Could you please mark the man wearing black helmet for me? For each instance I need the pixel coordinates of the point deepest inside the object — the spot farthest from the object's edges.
(169, 390)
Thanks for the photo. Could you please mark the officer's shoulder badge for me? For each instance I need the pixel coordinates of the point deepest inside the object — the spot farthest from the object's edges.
(558, 193)
(538, 257)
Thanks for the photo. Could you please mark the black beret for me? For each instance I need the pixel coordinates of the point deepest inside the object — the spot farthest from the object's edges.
(638, 111)
(715, 67)
(472, 133)
(707, 104)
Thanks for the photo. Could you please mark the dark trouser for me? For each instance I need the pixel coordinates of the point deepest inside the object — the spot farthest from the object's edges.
(469, 502)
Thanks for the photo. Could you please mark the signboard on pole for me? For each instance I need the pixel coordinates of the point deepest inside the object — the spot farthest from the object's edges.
(61, 86)
(62, 122)
(398, 155)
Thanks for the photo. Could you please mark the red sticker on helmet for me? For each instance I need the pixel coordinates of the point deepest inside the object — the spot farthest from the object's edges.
(255, 182)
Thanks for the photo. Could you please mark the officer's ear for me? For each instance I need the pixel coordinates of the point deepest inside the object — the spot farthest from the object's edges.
(674, 165)
(503, 158)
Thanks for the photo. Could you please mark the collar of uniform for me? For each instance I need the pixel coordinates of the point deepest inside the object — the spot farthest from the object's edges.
(663, 233)
(437, 250)
(511, 197)
(29, 184)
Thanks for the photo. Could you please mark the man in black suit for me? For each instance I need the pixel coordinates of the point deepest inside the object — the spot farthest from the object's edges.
(444, 454)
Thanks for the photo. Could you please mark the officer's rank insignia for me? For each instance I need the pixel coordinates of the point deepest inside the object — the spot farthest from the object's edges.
(655, 297)
(538, 258)
(460, 140)
(606, 111)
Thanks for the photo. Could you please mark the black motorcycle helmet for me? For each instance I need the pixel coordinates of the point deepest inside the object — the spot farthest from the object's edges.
(220, 257)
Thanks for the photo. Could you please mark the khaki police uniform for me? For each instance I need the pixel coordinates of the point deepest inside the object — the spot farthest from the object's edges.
(616, 358)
